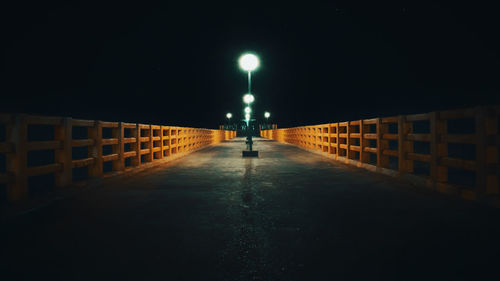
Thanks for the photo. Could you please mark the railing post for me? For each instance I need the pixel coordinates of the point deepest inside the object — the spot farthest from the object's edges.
(404, 146)
(95, 151)
(439, 149)
(382, 144)
(364, 157)
(408, 145)
(348, 142)
(150, 144)
(161, 142)
(329, 138)
(136, 133)
(337, 150)
(63, 156)
(170, 141)
(17, 160)
(118, 164)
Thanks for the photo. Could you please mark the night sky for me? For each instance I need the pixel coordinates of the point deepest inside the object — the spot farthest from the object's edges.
(177, 65)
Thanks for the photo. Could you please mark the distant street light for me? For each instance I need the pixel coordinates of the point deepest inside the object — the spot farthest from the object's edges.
(248, 98)
(249, 63)
(267, 115)
(229, 116)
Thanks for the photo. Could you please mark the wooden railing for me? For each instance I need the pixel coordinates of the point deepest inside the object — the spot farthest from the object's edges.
(396, 145)
(130, 145)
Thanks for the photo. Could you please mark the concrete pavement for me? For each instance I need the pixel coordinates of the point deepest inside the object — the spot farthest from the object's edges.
(287, 215)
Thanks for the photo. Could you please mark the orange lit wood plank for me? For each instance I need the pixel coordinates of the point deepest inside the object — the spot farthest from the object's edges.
(80, 143)
(109, 124)
(388, 136)
(43, 145)
(355, 147)
(45, 169)
(43, 120)
(370, 149)
(109, 141)
(129, 140)
(370, 121)
(419, 157)
(129, 125)
(418, 137)
(418, 117)
(110, 157)
(82, 162)
(129, 154)
(390, 152)
(83, 123)
(386, 120)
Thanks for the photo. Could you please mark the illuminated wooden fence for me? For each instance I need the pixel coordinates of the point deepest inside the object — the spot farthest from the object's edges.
(140, 143)
(389, 145)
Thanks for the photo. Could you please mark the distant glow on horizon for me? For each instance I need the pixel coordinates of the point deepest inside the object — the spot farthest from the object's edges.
(248, 109)
(229, 115)
(267, 114)
(248, 98)
(249, 62)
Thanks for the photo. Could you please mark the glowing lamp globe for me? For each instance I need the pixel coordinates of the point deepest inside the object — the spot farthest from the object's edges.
(267, 114)
(247, 117)
(248, 109)
(249, 62)
(229, 115)
(248, 98)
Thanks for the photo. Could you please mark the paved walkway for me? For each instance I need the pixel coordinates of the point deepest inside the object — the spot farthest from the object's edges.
(288, 215)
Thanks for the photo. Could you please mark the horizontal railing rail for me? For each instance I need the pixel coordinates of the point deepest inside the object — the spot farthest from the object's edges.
(402, 145)
(128, 142)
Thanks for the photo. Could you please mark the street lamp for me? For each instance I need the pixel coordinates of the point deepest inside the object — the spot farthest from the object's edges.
(249, 63)
(248, 98)
(267, 115)
(228, 116)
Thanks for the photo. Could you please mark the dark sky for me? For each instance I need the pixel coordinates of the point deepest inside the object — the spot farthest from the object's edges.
(177, 65)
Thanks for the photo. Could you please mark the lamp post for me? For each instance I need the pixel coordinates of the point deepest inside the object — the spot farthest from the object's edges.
(249, 63)
(228, 116)
(267, 115)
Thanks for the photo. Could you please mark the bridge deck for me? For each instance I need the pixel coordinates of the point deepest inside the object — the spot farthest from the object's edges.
(288, 215)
